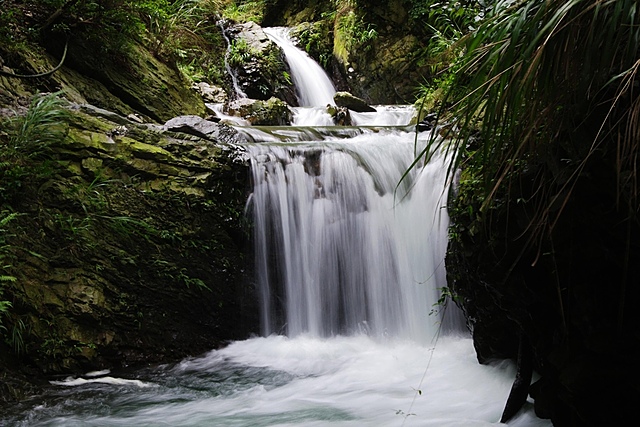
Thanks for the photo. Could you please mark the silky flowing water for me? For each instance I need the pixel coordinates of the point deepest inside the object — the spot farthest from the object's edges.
(349, 253)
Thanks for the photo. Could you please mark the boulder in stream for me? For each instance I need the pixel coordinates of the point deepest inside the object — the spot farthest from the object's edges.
(353, 103)
(272, 112)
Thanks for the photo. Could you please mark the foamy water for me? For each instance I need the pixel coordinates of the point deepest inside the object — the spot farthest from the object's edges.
(302, 381)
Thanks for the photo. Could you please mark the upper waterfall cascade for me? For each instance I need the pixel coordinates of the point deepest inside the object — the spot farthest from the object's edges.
(314, 88)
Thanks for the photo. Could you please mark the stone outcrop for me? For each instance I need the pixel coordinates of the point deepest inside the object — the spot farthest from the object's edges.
(197, 126)
(131, 249)
(259, 64)
(353, 103)
(128, 246)
(153, 89)
(272, 112)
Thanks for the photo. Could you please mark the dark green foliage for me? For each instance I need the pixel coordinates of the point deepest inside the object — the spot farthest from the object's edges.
(527, 85)
(244, 10)
(546, 216)
(6, 256)
(316, 41)
(25, 141)
(447, 18)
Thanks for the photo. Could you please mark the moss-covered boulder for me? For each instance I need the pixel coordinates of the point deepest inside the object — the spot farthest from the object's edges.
(147, 85)
(347, 100)
(272, 112)
(133, 81)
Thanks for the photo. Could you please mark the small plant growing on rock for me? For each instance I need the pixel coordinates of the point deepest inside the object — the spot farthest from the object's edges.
(25, 141)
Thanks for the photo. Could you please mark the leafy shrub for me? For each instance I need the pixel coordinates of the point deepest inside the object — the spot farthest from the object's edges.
(357, 33)
(245, 11)
(5, 266)
(25, 141)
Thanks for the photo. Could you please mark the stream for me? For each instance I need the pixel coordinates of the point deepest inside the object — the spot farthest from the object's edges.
(349, 253)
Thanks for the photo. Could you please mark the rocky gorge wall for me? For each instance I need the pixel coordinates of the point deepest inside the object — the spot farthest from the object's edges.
(563, 303)
(128, 242)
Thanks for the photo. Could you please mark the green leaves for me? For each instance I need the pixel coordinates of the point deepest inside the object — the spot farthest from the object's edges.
(25, 141)
(5, 259)
(532, 73)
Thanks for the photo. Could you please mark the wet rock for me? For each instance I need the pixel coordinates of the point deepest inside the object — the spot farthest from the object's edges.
(193, 125)
(340, 115)
(347, 100)
(272, 112)
(211, 94)
(428, 122)
(147, 85)
(98, 112)
(134, 237)
(259, 64)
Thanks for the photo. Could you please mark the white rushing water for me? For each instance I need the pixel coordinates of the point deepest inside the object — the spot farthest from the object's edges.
(313, 87)
(352, 381)
(385, 115)
(349, 265)
(234, 79)
(340, 247)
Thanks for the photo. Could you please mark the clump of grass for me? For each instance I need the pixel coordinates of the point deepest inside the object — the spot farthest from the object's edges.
(25, 141)
(526, 85)
(5, 265)
(30, 135)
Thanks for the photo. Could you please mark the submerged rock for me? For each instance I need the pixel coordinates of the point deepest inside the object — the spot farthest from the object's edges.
(340, 115)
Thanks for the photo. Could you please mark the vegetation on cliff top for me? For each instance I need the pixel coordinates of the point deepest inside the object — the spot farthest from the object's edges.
(546, 220)
(529, 88)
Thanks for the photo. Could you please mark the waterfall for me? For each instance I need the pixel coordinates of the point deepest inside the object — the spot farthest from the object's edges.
(343, 246)
(340, 247)
(234, 79)
(314, 88)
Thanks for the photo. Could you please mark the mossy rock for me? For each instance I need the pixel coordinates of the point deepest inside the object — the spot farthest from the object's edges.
(136, 249)
(259, 64)
(137, 79)
(272, 112)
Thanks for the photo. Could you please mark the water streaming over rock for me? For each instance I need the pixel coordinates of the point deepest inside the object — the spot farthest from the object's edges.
(340, 247)
(239, 93)
(313, 86)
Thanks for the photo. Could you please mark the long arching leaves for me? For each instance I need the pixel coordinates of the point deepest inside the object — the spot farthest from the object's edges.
(536, 70)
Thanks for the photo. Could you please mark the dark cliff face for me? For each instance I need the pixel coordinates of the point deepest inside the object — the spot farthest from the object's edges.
(570, 295)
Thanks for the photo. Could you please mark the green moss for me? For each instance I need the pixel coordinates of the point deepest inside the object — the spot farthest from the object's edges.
(245, 10)
(317, 40)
